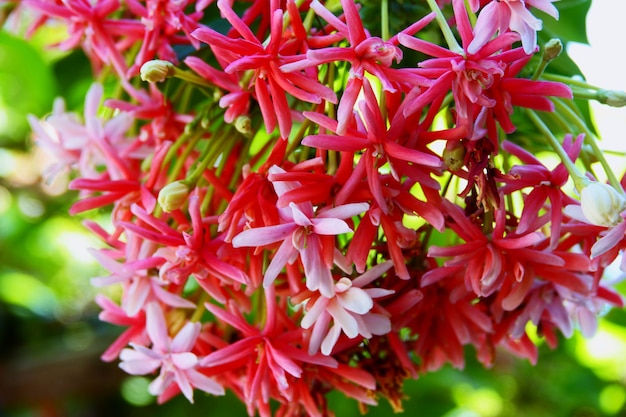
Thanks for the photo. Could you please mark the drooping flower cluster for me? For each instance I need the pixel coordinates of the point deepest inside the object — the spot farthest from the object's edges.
(299, 205)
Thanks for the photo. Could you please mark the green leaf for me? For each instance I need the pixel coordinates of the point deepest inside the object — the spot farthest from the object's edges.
(572, 23)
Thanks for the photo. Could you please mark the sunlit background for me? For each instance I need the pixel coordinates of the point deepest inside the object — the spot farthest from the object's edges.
(50, 338)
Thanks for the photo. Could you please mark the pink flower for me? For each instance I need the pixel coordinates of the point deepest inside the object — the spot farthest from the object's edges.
(602, 205)
(270, 83)
(134, 272)
(87, 145)
(502, 15)
(366, 54)
(301, 232)
(173, 356)
(268, 356)
(114, 314)
(547, 185)
(89, 27)
(350, 311)
(187, 252)
(483, 83)
(377, 143)
(505, 263)
(163, 22)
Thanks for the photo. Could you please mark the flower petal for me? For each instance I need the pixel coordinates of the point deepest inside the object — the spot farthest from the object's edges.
(355, 300)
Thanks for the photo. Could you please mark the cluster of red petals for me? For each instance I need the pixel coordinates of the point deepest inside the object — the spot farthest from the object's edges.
(310, 244)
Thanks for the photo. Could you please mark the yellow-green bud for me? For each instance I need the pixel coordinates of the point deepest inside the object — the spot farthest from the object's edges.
(156, 70)
(243, 124)
(601, 204)
(173, 196)
(552, 49)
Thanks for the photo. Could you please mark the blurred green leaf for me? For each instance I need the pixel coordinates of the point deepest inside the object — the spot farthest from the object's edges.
(27, 85)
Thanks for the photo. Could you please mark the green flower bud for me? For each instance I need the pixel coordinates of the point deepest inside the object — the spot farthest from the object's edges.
(613, 98)
(173, 196)
(552, 49)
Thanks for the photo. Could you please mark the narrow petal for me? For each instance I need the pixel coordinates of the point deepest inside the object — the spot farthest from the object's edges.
(344, 211)
(260, 236)
(330, 227)
(156, 327)
(331, 339)
(344, 319)
(285, 254)
(186, 337)
(313, 313)
(136, 363)
(377, 324)
(355, 300)
(185, 360)
(204, 383)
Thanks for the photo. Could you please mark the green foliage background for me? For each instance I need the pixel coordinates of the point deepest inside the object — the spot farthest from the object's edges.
(50, 337)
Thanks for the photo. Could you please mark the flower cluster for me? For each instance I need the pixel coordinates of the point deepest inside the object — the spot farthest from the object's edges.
(300, 205)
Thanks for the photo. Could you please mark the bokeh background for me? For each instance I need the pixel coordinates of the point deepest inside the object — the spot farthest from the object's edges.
(51, 339)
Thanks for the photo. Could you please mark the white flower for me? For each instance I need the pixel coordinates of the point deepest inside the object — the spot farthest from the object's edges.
(601, 204)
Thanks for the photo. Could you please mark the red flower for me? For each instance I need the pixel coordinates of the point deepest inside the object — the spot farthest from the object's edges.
(547, 185)
(483, 83)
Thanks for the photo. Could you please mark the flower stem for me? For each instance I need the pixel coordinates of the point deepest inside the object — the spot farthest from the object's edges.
(199, 311)
(569, 81)
(590, 139)
(580, 181)
(470, 13)
(384, 20)
(445, 28)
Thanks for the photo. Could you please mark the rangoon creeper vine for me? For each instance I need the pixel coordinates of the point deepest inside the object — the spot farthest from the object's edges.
(298, 206)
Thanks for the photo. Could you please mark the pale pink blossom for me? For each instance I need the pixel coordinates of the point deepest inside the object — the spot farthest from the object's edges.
(173, 356)
(351, 311)
(503, 15)
(133, 269)
(300, 232)
(86, 145)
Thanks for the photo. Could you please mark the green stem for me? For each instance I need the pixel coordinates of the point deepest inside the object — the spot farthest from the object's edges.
(199, 311)
(225, 150)
(540, 69)
(579, 180)
(590, 140)
(209, 156)
(470, 13)
(565, 126)
(191, 77)
(178, 166)
(384, 19)
(584, 94)
(569, 81)
(453, 45)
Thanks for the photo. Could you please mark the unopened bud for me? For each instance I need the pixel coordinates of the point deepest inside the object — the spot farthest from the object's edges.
(243, 124)
(613, 98)
(173, 196)
(454, 157)
(552, 49)
(601, 204)
(156, 70)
